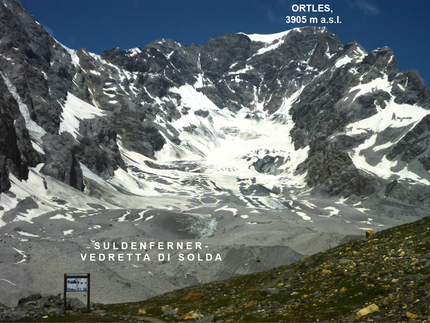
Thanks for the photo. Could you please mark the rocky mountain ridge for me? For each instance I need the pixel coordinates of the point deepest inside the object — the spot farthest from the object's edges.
(234, 72)
(292, 134)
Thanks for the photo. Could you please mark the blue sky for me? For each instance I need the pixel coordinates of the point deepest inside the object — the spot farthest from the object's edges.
(402, 25)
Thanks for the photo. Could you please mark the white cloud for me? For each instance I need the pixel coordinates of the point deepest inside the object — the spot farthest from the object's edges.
(276, 10)
(49, 30)
(365, 6)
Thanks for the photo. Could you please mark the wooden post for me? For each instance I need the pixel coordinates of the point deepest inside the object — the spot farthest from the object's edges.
(88, 294)
(65, 291)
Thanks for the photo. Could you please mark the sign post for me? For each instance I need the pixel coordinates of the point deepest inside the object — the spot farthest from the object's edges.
(76, 283)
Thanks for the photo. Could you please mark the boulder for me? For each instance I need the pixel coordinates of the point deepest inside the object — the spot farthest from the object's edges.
(55, 312)
(412, 316)
(367, 310)
(207, 319)
(170, 312)
(14, 314)
(49, 301)
(269, 291)
(31, 298)
(370, 234)
(75, 303)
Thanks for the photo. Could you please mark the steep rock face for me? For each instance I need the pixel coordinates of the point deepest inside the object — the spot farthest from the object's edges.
(9, 152)
(158, 66)
(16, 151)
(240, 68)
(328, 106)
(330, 167)
(415, 145)
(41, 72)
(128, 116)
(61, 162)
(409, 88)
(8, 149)
(412, 150)
(97, 148)
(231, 70)
(408, 192)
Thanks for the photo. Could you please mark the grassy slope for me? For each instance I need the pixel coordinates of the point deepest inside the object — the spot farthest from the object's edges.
(390, 270)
